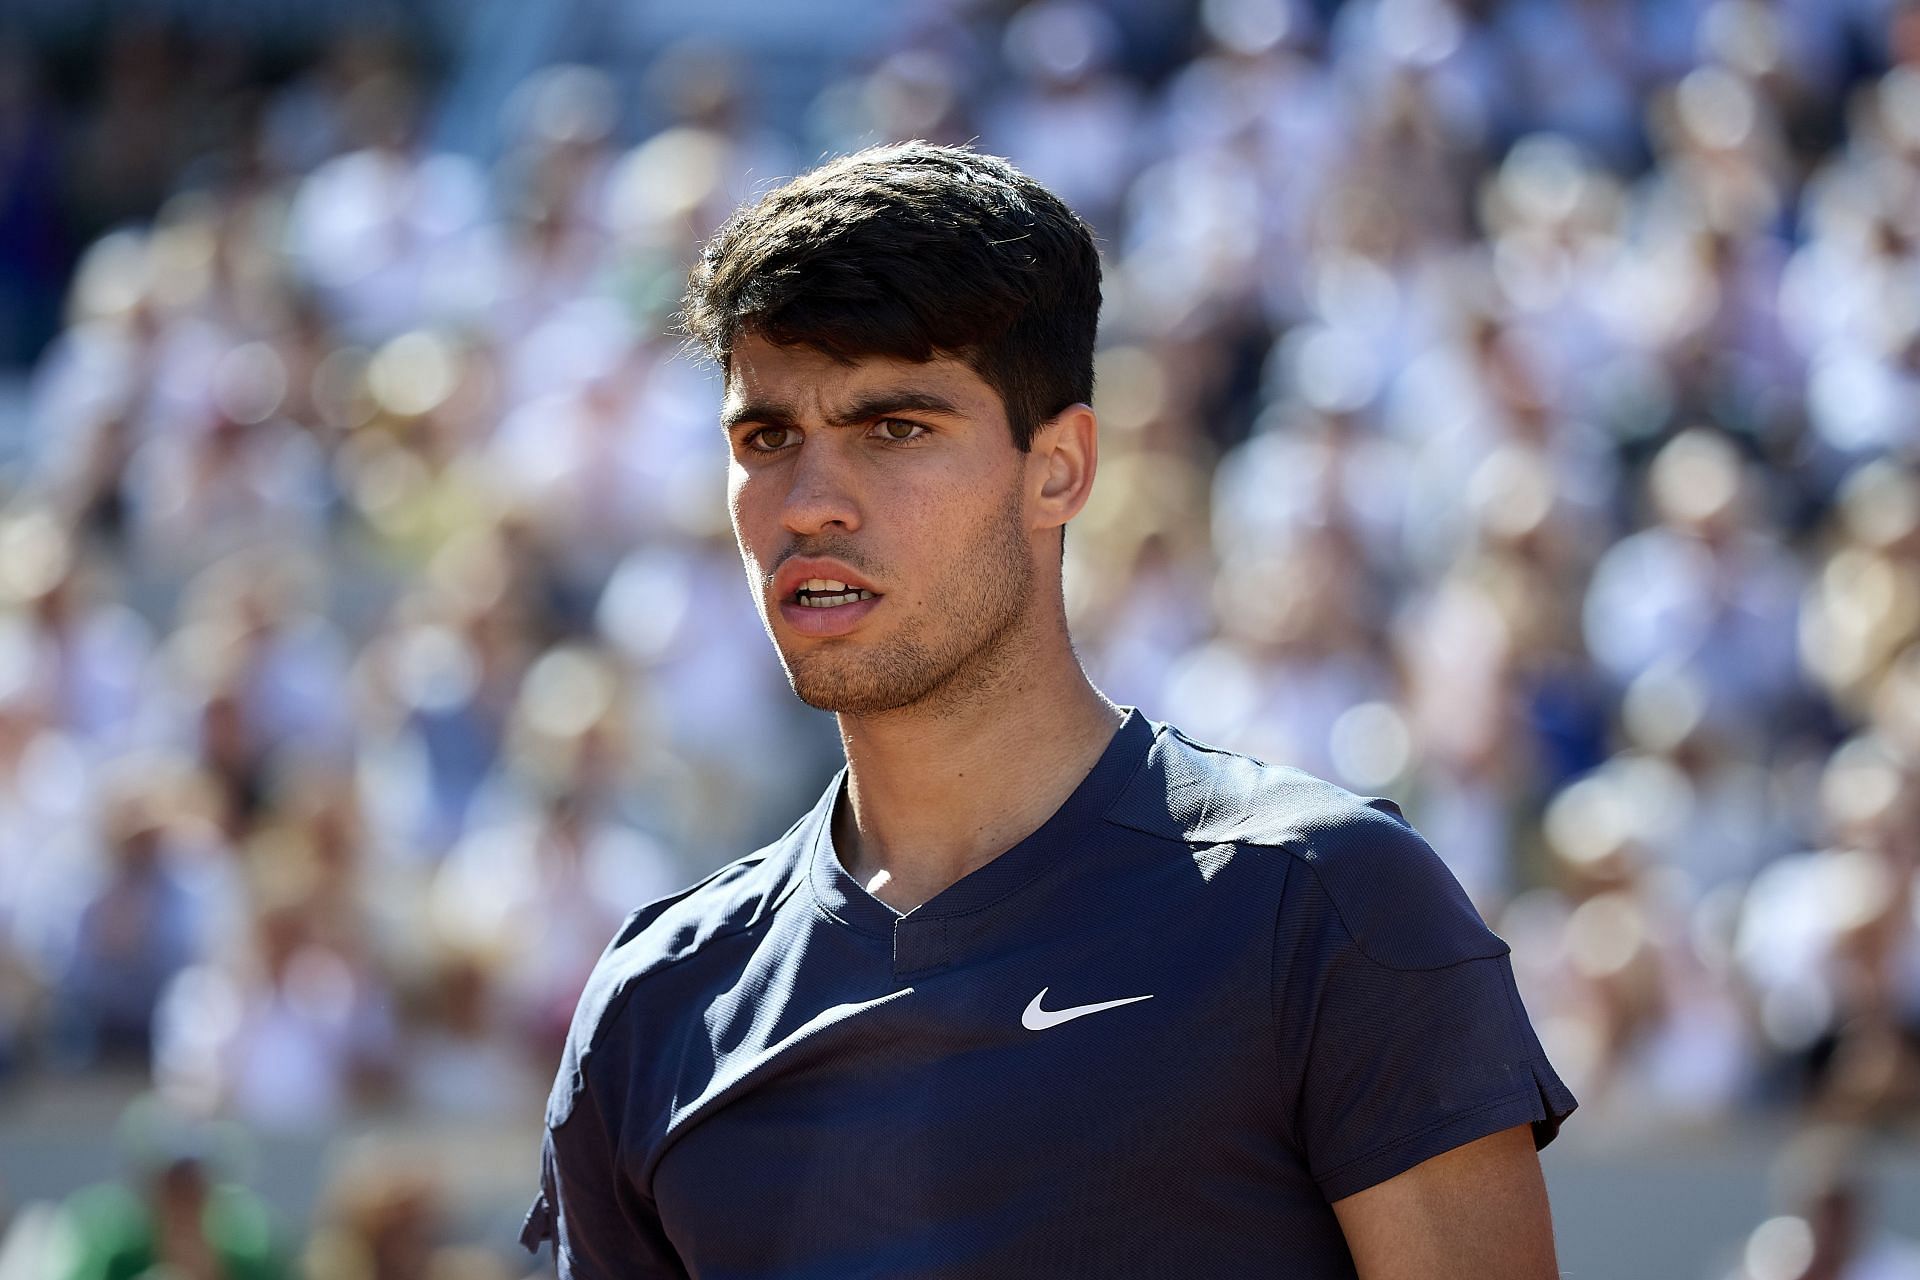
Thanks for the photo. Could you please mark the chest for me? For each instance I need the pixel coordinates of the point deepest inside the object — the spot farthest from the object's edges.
(1092, 1090)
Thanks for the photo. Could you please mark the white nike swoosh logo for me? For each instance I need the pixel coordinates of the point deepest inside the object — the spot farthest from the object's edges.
(1038, 1019)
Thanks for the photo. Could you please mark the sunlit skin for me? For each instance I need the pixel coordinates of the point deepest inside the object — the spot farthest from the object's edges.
(1477, 1212)
(965, 715)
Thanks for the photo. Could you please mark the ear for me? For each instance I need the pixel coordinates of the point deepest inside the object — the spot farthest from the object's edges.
(1060, 466)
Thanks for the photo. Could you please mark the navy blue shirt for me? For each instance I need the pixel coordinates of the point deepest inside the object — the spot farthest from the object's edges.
(1159, 1036)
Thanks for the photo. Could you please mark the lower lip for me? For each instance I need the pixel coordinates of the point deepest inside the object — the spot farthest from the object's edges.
(835, 621)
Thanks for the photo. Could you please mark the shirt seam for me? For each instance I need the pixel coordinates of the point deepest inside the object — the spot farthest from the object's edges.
(1360, 947)
(1313, 1030)
(1292, 1124)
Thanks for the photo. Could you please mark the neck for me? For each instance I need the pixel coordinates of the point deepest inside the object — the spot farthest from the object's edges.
(939, 790)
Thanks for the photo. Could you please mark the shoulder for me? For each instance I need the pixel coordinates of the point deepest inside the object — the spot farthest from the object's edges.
(668, 935)
(107, 1222)
(1386, 886)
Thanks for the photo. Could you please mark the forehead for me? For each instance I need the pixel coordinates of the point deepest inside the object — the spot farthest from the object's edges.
(804, 382)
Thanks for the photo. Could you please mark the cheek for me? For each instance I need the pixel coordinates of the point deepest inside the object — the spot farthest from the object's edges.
(734, 486)
(967, 536)
(740, 511)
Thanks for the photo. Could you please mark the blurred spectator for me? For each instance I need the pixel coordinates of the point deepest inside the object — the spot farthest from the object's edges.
(1826, 1230)
(391, 234)
(1631, 974)
(1828, 943)
(287, 1036)
(179, 1215)
(1069, 120)
(386, 1219)
(153, 912)
(81, 654)
(462, 1061)
(1702, 582)
(550, 879)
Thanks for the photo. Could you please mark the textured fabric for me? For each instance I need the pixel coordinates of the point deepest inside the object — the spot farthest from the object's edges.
(775, 1074)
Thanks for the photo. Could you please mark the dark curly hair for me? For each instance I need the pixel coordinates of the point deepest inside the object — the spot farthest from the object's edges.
(913, 250)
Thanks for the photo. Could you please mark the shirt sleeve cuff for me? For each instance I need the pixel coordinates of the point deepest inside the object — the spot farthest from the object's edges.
(1544, 1106)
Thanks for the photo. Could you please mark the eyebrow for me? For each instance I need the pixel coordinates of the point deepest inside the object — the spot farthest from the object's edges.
(875, 404)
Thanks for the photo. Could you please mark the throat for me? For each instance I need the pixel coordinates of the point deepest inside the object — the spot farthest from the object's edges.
(901, 888)
(923, 809)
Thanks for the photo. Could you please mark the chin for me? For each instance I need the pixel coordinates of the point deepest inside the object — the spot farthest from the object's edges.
(900, 675)
(860, 687)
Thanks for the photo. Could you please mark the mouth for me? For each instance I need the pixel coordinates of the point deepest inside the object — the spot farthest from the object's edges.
(825, 607)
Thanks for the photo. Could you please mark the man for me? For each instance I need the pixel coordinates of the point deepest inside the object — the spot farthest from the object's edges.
(180, 1215)
(1038, 988)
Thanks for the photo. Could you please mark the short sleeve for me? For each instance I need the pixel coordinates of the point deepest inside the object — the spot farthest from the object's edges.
(601, 1227)
(1398, 1021)
(1407, 1064)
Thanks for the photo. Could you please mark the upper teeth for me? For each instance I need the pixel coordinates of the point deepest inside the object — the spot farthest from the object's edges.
(825, 593)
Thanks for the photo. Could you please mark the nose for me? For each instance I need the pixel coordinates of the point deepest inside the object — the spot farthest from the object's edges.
(820, 497)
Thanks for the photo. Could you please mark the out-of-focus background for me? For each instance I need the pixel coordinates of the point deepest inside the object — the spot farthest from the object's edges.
(1509, 406)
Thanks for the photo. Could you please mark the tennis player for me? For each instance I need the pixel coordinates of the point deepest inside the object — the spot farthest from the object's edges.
(1039, 987)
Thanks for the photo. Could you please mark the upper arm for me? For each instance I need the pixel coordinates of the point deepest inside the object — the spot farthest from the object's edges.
(1476, 1212)
(600, 1224)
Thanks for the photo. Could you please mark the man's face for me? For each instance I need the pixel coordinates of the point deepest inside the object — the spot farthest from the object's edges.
(881, 516)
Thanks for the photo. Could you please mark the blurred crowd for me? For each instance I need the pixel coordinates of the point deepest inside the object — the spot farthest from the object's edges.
(1511, 407)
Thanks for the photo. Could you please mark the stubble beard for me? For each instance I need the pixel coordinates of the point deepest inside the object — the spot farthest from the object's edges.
(968, 641)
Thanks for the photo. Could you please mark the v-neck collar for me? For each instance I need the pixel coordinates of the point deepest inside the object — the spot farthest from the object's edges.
(849, 902)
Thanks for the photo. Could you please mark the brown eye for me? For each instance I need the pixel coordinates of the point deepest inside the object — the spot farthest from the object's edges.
(769, 439)
(898, 429)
